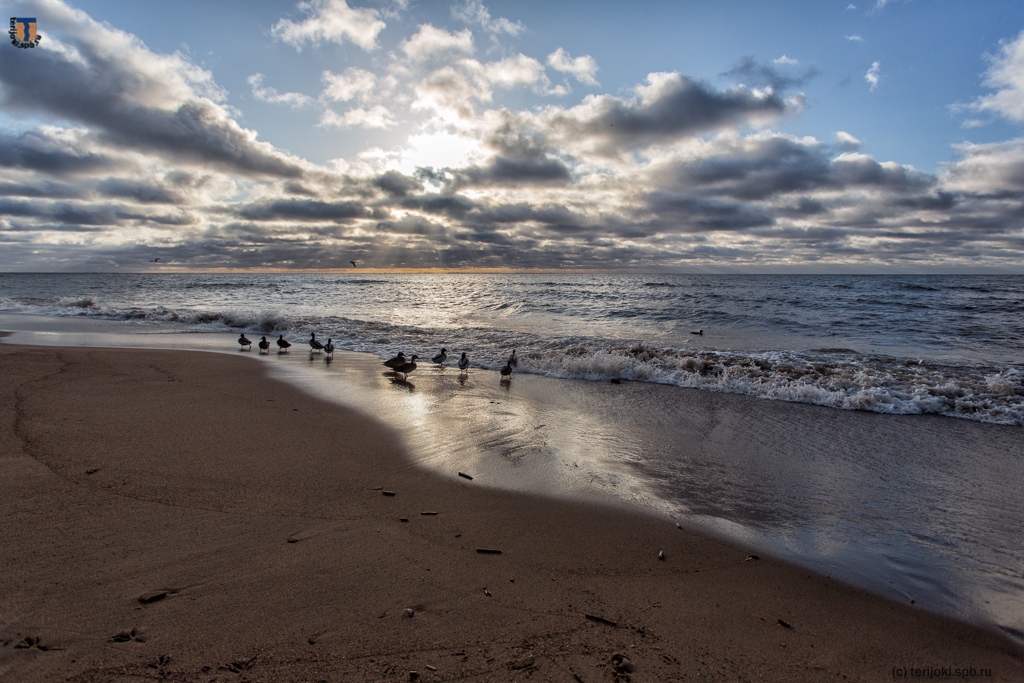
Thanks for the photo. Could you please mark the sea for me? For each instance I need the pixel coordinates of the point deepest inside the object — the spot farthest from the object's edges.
(935, 359)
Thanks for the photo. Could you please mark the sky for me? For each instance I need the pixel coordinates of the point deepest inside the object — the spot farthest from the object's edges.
(688, 136)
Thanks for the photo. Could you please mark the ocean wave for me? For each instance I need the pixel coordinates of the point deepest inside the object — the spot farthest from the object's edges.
(832, 376)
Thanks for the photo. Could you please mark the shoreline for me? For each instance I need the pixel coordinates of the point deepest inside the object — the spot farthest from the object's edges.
(259, 512)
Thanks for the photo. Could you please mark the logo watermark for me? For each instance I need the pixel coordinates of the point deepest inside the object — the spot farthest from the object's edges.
(23, 32)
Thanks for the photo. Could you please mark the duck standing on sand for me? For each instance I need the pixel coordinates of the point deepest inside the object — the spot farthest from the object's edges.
(506, 371)
(396, 361)
(244, 343)
(314, 345)
(264, 345)
(329, 348)
(441, 357)
(463, 362)
(405, 368)
(512, 360)
(283, 344)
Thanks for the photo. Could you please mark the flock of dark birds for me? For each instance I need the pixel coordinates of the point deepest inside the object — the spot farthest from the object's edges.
(399, 364)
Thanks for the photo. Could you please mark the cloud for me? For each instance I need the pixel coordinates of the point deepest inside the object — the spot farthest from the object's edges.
(303, 210)
(352, 84)
(376, 116)
(855, 38)
(668, 107)
(266, 94)
(774, 77)
(993, 169)
(432, 46)
(872, 75)
(449, 94)
(397, 184)
(583, 68)
(51, 151)
(473, 13)
(1006, 76)
(131, 97)
(331, 21)
(846, 141)
(511, 72)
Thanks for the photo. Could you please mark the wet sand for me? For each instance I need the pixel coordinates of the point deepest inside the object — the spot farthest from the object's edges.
(255, 521)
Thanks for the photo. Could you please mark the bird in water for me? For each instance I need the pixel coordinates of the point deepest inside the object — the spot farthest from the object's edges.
(283, 344)
(698, 332)
(512, 360)
(396, 361)
(441, 357)
(506, 371)
(244, 343)
(405, 368)
(264, 345)
(329, 348)
(463, 362)
(314, 345)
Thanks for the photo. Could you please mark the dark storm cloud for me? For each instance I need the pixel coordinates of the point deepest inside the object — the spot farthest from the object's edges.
(672, 106)
(35, 151)
(303, 209)
(131, 97)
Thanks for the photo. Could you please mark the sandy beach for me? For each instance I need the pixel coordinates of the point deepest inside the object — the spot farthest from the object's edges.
(160, 521)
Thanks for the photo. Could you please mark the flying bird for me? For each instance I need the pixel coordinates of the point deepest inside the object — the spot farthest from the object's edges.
(353, 264)
(264, 345)
(283, 344)
(155, 260)
(441, 357)
(314, 345)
